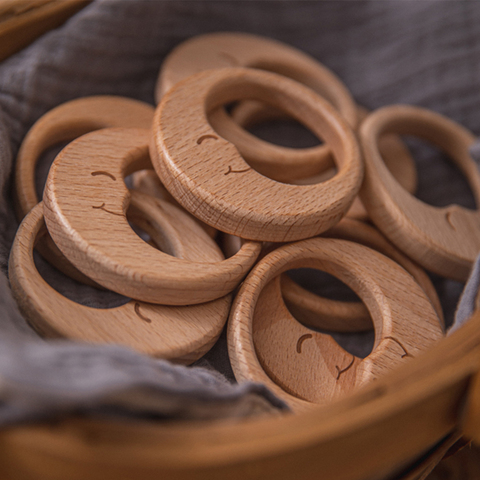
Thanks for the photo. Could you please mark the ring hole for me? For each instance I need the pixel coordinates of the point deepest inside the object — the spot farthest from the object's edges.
(440, 181)
(328, 317)
(305, 361)
(280, 129)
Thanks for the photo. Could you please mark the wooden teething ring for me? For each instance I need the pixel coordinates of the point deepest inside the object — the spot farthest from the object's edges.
(207, 175)
(220, 50)
(395, 153)
(85, 200)
(319, 312)
(181, 334)
(443, 240)
(61, 124)
(263, 336)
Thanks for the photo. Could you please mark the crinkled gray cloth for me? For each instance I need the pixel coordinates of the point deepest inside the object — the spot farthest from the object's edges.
(424, 53)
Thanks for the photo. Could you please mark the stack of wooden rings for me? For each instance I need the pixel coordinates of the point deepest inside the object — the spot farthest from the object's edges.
(345, 207)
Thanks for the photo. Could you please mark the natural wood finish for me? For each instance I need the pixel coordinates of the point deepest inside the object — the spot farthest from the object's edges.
(399, 417)
(180, 334)
(65, 123)
(208, 176)
(397, 159)
(233, 49)
(22, 21)
(227, 49)
(319, 312)
(61, 124)
(84, 202)
(267, 344)
(443, 240)
(147, 181)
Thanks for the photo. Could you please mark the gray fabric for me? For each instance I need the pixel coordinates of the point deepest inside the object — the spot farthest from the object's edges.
(424, 52)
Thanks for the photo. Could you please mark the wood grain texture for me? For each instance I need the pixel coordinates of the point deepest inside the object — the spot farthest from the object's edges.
(399, 162)
(262, 332)
(84, 205)
(147, 181)
(319, 312)
(400, 416)
(22, 21)
(180, 334)
(207, 175)
(233, 49)
(61, 124)
(227, 49)
(443, 240)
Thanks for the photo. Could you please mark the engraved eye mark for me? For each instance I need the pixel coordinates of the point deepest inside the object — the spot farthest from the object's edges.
(102, 207)
(230, 170)
(340, 371)
(106, 174)
(229, 58)
(449, 219)
(406, 354)
(205, 137)
(301, 340)
(140, 315)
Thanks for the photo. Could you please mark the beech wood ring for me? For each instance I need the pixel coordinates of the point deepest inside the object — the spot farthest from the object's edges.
(319, 312)
(443, 240)
(395, 153)
(85, 199)
(267, 344)
(180, 334)
(207, 175)
(64, 123)
(220, 50)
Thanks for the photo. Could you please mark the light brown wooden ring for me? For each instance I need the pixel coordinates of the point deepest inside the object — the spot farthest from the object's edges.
(319, 312)
(405, 323)
(66, 122)
(443, 240)
(61, 124)
(85, 200)
(395, 153)
(220, 50)
(180, 334)
(208, 176)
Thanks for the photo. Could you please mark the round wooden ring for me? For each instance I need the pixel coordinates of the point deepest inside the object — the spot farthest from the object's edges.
(208, 176)
(396, 155)
(319, 312)
(443, 240)
(180, 334)
(61, 124)
(263, 336)
(220, 50)
(85, 201)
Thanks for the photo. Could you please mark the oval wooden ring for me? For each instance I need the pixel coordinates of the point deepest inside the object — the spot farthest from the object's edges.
(209, 178)
(220, 50)
(85, 201)
(64, 123)
(319, 312)
(443, 240)
(396, 302)
(180, 334)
